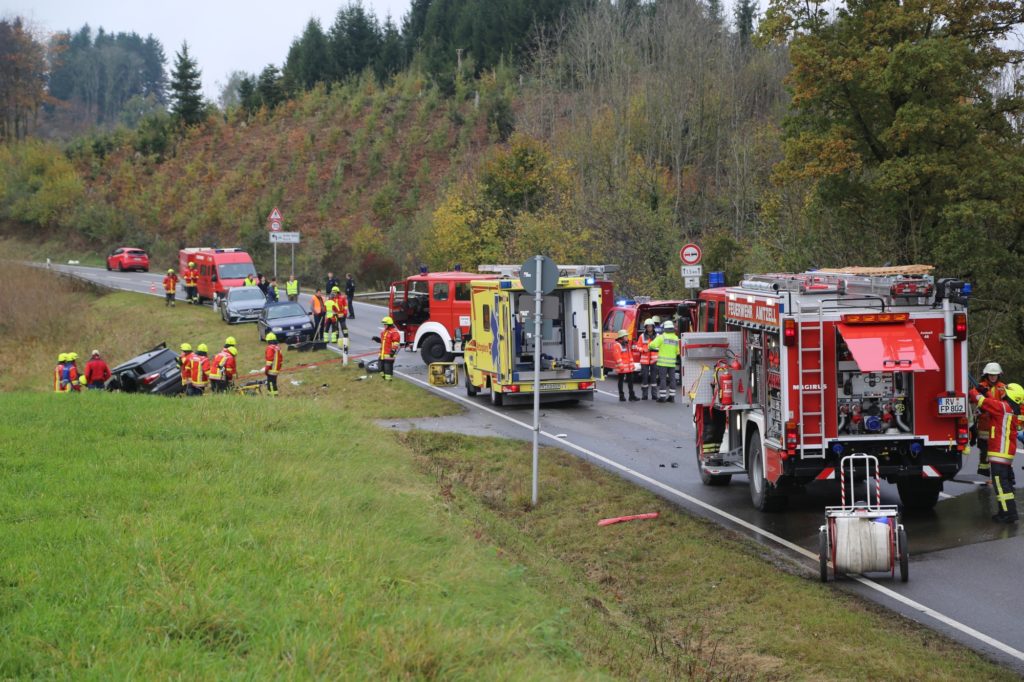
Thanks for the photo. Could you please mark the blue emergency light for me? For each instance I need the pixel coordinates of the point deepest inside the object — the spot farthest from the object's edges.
(506, 284)
(966, 289)
(589, 281)
(716, 279)
(423, 269)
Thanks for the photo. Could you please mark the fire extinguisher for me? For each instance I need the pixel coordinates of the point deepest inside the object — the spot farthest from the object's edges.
(724, 385)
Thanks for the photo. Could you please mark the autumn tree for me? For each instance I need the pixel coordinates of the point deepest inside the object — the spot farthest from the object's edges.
(22, 79)
(900, 144)
(186, 89)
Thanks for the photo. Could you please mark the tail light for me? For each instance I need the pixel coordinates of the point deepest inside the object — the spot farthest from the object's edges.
(513, 388)
(792, 439)
(789, 332)
(960, 326)
(150, 378)
(962, 434)
(586, 385)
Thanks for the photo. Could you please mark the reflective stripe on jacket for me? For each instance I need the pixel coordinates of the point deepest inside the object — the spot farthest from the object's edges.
(667, 345)
(274, 359)
(643, 346)
(1003, 427)
(390, 341)
(996, 391)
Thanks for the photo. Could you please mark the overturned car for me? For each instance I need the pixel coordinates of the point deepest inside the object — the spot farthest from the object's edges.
(156, 372)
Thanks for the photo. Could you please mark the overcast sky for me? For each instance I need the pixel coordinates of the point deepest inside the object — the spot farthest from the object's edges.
(222, 35)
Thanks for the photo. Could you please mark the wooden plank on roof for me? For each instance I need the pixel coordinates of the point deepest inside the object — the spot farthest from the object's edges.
(881, 271)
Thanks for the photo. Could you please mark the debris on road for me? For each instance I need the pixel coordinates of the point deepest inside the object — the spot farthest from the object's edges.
(620, 519)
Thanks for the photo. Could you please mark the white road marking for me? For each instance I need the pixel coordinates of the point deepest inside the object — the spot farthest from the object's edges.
(917, 606)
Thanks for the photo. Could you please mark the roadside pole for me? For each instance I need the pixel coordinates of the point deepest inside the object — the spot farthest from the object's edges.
(539, 276)
(275, 260)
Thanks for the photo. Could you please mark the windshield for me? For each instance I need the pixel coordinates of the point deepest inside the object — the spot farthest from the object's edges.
(236, 270)
(246, 294)
(288, 310)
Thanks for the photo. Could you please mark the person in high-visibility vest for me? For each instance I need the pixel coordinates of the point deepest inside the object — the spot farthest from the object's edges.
(191, 276)
(199, 376)
(170, 286)
(648, 360)
(185, 362)
(250, 280)
(342, 318)
(318, 308)
(331, 320)
(667, 345)
(218, 381)
(75, 378)
(60, 383)
(622, 357)
(274, 359)
(390, 340)
(1004, 424)
(993, 384)
(291, 287)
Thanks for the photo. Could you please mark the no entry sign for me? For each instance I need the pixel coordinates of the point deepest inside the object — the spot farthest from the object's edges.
(690, 254)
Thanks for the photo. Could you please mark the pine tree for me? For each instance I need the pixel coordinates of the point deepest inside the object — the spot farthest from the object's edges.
(744, 13)
(186, 88)
(268, 87)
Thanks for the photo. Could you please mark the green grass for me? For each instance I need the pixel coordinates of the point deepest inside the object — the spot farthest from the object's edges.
(250, 537)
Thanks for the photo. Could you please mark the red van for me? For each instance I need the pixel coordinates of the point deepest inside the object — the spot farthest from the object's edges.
(219, 269)
(630, 315)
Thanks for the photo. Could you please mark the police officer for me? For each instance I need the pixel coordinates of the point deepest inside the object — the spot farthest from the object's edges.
(667, 345)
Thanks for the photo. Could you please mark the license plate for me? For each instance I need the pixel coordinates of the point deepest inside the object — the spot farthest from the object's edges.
(952, 406)
(528, 388)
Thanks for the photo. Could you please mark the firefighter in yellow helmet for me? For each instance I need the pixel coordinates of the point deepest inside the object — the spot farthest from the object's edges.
(992, 386)
(274, 359)
(1002, 445)
(390, 340)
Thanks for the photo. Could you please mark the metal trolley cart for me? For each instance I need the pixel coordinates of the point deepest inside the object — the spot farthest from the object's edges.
(863, 536)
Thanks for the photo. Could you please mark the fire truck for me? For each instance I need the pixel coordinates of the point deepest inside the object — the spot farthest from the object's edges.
(219, 269)
(788, 372)
(429, 307)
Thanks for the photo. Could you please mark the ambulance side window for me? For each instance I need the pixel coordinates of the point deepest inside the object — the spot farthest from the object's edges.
(487, 318)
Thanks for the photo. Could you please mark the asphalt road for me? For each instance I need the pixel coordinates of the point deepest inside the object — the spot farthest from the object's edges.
(964, 569)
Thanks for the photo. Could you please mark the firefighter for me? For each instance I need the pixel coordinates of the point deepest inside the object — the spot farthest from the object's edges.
(342, 318)
(199, 374)
(191, 276)
(274, 360)
(1004, 424)
(75, 378)
(185, 362)
(170, 286)
(291, 287)
(222, 368)
(60, 384)
(648, 360)
(389, 340)
(96, 371)
(622, 356)
(318, 308)
(996, 389)
(667, 345)
(331, 320)
(350, 293)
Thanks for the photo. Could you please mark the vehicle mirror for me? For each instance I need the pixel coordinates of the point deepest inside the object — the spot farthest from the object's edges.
(213, 277)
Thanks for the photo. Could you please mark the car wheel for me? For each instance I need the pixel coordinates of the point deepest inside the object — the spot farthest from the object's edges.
(120, 267)
(108, 266)
(497, 399)
(471, 390)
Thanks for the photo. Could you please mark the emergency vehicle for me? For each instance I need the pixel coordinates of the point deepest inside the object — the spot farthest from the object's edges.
(629, 314)
(500, 349)
(219, 269)
(429, 307)
(788, 373)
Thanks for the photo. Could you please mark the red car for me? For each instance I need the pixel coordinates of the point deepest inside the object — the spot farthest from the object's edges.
(126, 258)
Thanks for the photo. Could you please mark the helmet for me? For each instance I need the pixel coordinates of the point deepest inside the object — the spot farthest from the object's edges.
(1015, 392)
(335, 290)
(649, 322)
(230, 341)
(387, 320)
(170, 271)
(201, 348)
(656, 319)
(668, 326)
(232, 350)
(63, 357)
(992, 368)
(186, 346)
(191, 264)
(623, 334)
(271, 336)
(72, 356)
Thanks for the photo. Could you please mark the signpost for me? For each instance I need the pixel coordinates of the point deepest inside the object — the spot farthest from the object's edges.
(690, 254)
(274, 223)
(539, 276)
(691, 270)
(284, 238)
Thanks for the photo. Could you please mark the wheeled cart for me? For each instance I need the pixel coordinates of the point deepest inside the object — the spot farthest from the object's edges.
(863, 536)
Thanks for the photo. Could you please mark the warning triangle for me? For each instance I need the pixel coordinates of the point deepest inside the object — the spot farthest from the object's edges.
(275, 215)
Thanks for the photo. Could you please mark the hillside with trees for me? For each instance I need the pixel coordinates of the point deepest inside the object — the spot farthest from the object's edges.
(598, 131)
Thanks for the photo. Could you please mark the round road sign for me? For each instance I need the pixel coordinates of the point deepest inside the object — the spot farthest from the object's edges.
(690, 254)
(275, 226)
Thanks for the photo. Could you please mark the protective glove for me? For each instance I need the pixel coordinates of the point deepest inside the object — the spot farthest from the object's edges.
(974, 435)
(375, 338)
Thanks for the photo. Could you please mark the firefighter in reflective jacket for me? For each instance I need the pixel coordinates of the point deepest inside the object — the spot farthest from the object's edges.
(390, 341)
(170, 286)
(648, 360)
(60, 374)
(222, 369)
(199, 374)
(76, 380)
(331, 320)
(622, 357)
(341, 322)
(996, 389)
(667, 345)
(274, 360)
(185, 362)
(318, 306)
(191, 276)
(1004, 423)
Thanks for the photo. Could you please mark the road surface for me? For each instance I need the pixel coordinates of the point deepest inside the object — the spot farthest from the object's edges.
(965, 570)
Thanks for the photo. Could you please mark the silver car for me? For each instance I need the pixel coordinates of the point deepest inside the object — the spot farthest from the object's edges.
(241, 304)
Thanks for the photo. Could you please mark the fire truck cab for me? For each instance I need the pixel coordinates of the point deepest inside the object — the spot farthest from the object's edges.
(790, 372)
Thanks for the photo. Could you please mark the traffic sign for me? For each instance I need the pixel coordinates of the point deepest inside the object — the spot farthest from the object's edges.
(691, 271)
(284, 237)
(275, 226)
(274, 220)
(691, 282)
(690, 254)
(546, 280)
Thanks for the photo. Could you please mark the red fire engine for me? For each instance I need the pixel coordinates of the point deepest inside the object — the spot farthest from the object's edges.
(427, 308)
(788, 372)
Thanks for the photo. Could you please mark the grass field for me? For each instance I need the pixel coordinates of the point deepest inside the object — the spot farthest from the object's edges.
(248, 537)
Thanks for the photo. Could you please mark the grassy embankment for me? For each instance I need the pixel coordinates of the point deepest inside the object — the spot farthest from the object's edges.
(237, 536)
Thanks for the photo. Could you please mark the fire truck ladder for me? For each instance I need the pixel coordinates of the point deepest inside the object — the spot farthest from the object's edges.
(811, 380)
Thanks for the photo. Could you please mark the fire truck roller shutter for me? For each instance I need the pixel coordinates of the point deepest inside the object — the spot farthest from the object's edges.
(887, 347)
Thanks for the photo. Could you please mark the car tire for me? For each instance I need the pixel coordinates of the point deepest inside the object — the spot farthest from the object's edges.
(120, 267)
(497, 399)
(108, 266)
(471, 390)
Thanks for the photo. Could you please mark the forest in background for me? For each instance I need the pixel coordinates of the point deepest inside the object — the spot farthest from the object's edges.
(594, 131)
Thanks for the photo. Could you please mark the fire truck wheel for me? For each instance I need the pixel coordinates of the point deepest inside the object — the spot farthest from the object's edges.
(432, 349)
(761, 493)
(918, 494)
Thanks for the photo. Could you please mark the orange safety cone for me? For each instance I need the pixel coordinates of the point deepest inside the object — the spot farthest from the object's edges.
(152, 287)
